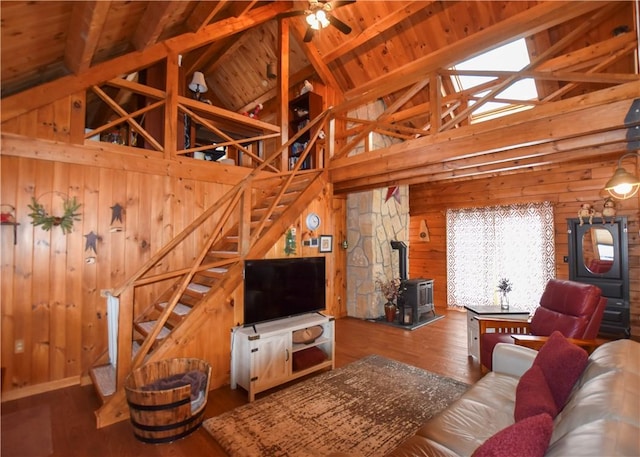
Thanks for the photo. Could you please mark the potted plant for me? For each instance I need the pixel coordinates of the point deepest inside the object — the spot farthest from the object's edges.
(390, 289)
(504, 286)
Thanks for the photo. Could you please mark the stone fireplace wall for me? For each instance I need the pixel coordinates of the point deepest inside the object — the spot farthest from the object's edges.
(373, 221)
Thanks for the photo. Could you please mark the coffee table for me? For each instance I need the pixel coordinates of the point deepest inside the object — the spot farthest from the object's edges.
(473, 328)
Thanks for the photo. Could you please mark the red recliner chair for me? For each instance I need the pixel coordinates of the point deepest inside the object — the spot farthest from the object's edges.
(574, 309)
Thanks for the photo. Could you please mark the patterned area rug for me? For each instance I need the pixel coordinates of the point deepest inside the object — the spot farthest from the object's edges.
(367, 407)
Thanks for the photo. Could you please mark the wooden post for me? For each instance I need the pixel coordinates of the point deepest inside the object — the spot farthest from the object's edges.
(171, 106)
(283, 83)
(125, 336)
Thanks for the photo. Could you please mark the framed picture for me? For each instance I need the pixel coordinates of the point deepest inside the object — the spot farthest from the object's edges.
(326, 243)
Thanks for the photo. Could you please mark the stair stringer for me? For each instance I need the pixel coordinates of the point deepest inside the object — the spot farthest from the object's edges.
(115, 408)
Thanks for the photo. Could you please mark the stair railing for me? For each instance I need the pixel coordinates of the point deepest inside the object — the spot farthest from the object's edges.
(228, 203)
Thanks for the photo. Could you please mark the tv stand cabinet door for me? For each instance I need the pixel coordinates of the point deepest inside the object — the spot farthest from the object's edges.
(270, 362)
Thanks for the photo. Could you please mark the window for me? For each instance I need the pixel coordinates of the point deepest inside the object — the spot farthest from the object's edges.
(485, 244)
(509, 57)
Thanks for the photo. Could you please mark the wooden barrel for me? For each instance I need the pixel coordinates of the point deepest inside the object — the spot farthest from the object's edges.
(162, 415)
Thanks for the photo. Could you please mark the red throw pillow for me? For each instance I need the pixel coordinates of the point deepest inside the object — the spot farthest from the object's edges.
(562, 364)
(533, 395)
(528, 438)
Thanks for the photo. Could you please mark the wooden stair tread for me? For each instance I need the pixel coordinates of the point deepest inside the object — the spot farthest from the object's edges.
(135, 347)
(215, 272)
(148, 327)
(199, 288)
(179, 309)
(104, 379)
(225, 254)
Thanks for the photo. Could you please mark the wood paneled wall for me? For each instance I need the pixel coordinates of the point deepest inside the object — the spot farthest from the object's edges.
(566, 187)
(51, 289)
(51, 283)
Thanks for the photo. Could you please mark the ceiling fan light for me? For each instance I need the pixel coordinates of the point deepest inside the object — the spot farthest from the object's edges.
(312, 20)
(321, 16)
(622, 184)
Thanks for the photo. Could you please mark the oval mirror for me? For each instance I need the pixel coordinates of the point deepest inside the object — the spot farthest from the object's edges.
(597, 250)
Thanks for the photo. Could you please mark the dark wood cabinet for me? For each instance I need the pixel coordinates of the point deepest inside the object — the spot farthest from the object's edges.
(301, 111)
(599, 255)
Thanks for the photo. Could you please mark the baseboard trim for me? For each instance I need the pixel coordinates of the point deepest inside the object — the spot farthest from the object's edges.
(28, 391)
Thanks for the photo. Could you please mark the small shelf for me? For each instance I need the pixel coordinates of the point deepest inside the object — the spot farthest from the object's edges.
(302, 346)
(302, 110)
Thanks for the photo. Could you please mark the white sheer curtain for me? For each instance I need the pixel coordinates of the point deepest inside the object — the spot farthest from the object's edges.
(485, 244)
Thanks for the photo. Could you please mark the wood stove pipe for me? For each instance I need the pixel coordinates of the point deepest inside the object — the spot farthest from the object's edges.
(402, 257)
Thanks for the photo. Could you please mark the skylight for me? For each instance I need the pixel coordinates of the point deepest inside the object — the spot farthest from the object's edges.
(509, 57)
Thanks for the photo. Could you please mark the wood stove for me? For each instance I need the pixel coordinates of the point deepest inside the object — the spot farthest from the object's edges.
(415, 294)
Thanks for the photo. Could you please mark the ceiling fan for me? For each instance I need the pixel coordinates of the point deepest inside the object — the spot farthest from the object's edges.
(319, 15)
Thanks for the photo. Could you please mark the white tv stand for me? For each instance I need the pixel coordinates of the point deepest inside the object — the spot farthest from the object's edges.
(262, 355)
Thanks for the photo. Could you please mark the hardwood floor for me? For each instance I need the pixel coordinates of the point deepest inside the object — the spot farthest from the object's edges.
(440, 347)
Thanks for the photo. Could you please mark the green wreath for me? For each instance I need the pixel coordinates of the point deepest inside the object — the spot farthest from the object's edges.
(40, 216)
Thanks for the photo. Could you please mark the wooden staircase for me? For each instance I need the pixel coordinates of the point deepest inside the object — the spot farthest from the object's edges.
(249, 220)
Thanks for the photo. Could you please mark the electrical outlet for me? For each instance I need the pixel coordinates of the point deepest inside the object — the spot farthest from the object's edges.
(18, 347)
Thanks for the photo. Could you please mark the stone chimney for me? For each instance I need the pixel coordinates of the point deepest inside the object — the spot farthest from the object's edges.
(373, 221)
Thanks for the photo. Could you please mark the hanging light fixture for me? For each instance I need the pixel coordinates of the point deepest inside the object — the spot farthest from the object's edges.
(318, 19)
(623, 184)
(198, 85)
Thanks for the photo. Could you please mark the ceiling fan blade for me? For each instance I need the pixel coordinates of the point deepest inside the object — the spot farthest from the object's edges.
(338, 3)
(309, 35)
(337, 23)
(293, 13)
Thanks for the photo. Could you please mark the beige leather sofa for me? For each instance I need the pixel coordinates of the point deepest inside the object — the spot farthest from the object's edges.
(601, 417)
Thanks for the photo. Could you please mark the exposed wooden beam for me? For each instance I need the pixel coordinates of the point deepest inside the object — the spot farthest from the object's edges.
(381, 26)
(208, 56)
(87, 21)
(105, 155)
(171, 108)
(583, 57)
(559, 45)
(203, 14)
(238, 8)
(588, 77)
(450, 171)
(313, 55)
(283, 86)
(153, 22)
(44, 94)
(533, 20)
(599, 112)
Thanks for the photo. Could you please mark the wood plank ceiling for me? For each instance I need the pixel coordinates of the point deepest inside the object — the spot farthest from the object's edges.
(42, 41)
(393, 45)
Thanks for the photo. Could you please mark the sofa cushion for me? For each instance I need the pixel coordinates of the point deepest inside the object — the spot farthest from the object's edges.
(562, 364)
(526, 438)
(533, 395)
(614, 396)
(485, 409)
(604, 437)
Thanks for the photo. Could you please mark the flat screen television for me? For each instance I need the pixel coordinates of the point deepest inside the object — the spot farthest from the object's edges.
(279, 288)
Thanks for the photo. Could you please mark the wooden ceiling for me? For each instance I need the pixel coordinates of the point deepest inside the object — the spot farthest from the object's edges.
(42, 41)
(395, 47)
